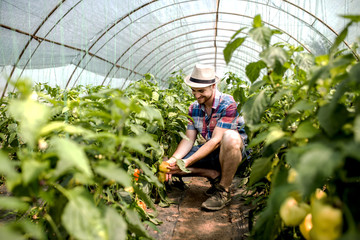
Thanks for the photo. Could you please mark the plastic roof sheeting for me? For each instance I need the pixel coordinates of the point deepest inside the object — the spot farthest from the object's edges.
(112, 42)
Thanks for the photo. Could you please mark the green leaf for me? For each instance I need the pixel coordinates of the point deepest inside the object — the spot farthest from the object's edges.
(135, 225)
(352, 149)
(7, 232)
(231, 47)
(357, 129)
(71, 156)
(111, 171)
(13, 203)
(274, 56)
(354, 18)
(7, 167)
(137, 143)
(354, 74)
(21, 230)
(339, 39)
(320, 73)
(257, 21)
(258, 139)
(302, 105)
(148, 172)
(255, 107)
(304, 61)
(279, 95)
(145, 197)
(31, 169)
(261, 35)
(275, 133)
(306, 130)
(115, 224)
(316, 165)
(253, 70)
(181, 165)
(81, 218)
(31, 117)
(237, 33)
(332, 117)
(259, 169)
(61, 126)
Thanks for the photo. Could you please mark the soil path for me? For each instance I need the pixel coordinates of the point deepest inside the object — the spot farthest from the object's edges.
(186, 220)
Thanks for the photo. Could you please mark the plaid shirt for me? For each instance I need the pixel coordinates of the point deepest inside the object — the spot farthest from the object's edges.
(223, 114)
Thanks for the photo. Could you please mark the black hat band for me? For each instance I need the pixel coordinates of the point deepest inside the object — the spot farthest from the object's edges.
(201, 81)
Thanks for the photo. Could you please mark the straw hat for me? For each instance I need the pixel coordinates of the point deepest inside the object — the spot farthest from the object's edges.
(202, 76)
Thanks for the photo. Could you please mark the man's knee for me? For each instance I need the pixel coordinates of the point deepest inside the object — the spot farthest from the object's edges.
(232, 140)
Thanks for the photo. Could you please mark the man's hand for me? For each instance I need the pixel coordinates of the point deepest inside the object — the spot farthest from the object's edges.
(173, 167)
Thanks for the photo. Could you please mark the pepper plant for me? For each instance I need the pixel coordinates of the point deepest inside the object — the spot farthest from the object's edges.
(81, 163)
(302, 115)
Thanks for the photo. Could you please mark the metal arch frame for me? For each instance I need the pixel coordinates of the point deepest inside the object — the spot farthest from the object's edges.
(326, 25)
(255, 50)
(204, 60)
(180, 48)
(113, 25)
(184, 53)
(162, 82)
(189, 17)
(207, 30)
(28, 43)
(103, 34)
(217, 12)
(33, 53)
(235, 57)
(188, 58)
(34, 35)
(277, 8)
(60, 44)
(41, 39)
(222, 65)
(169, 40)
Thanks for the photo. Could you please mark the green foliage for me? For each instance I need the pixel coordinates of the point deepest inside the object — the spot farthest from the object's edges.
(69, 158)
(302, 114)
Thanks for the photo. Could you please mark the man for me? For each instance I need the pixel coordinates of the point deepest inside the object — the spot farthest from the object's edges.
(216, 118)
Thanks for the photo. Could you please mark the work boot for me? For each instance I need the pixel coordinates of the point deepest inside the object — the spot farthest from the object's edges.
(218, 200)
(212, 189)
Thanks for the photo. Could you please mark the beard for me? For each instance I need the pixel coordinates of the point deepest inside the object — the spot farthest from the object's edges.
(204, 99)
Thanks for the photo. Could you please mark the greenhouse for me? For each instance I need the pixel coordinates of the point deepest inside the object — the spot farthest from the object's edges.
(103, 102)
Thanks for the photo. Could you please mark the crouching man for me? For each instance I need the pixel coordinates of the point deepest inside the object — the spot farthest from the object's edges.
(214, 115)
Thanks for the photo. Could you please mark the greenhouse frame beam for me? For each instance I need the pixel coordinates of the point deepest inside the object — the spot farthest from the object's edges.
(174, 20)
(101, 35)
(330, 28)
(205, 29)
(208, 53)
(34, 51)
(216, 32)
(190, 65)
(115, 23)
(183, 53)
(279, 9)
(32, 36)
(64, 45)
(170, 60)
(169, 40)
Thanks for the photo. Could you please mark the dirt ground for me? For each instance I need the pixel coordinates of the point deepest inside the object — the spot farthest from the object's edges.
(186, 220)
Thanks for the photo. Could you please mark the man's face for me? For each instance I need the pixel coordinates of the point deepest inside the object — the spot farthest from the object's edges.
(203, 95)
